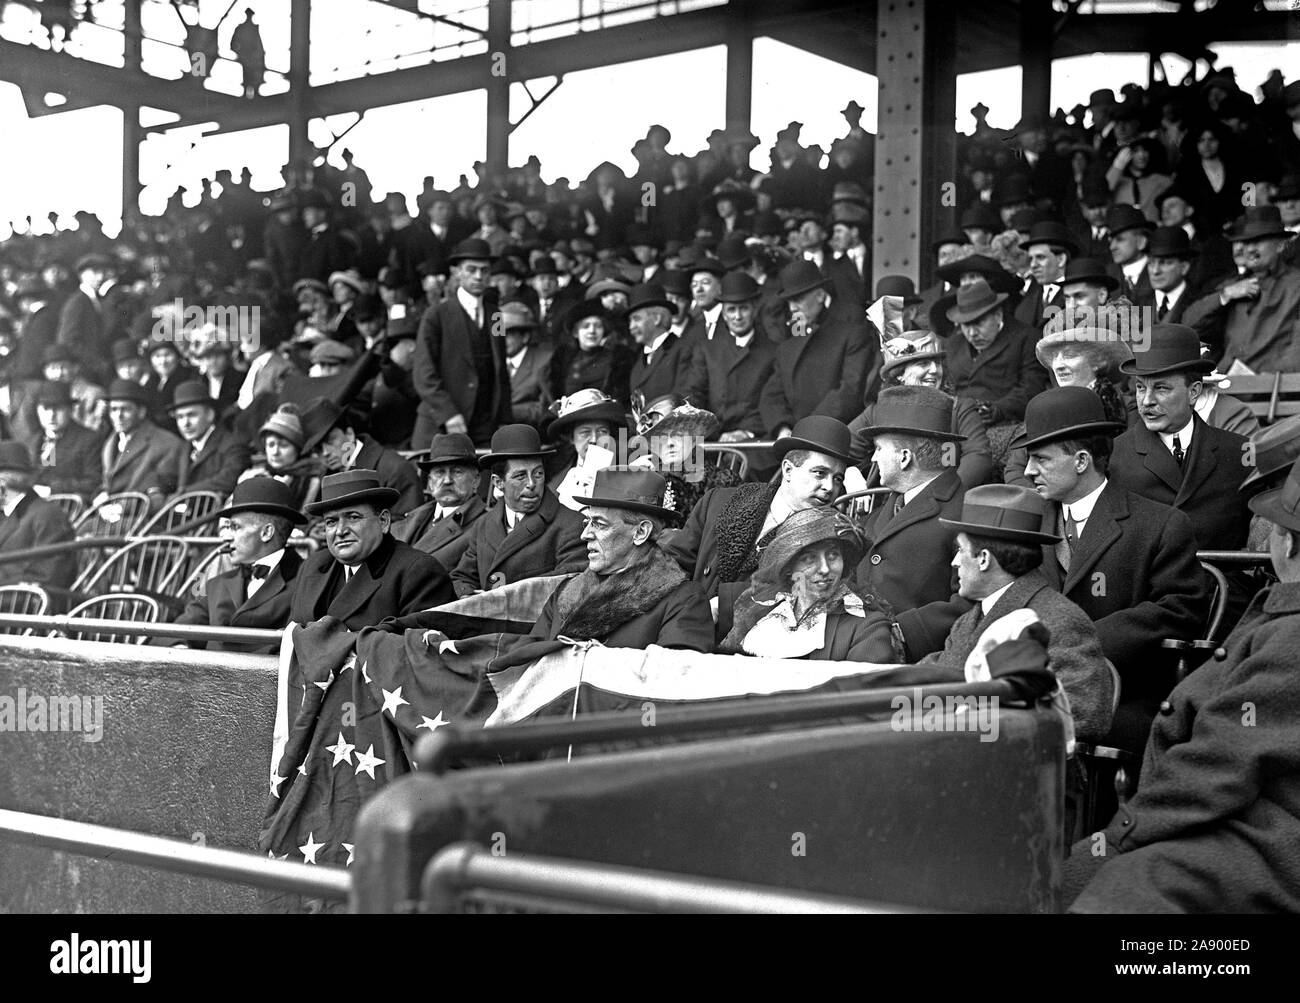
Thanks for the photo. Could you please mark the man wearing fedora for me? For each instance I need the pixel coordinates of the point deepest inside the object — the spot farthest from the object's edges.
(906, 563)
(337, 435)
(67, 453)
(460, 366)
(663, 364)
(1050, 245)
(723, 537)
(138, 455)
(364, 575)
(215, 458)
(728, 373)
(442, 527)
(1000, 531)
(1128, 562)
(256, 592)
(28, 521)
(1128, 229)
(1214, 824)
(824, 366)
(530, 533)
(1254, 319)
(631, 595)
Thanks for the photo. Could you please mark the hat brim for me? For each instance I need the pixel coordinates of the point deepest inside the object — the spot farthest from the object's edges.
(485, 462)
(1204, 366)
(903, 361)
(436, 461)
(292, 514)
(1237, 235)
(691, 425)
(958, 316)
(874, 430)
(612, 413)
(453, 259)
(1070, 432)
(1115, 351)
(797, 291)
(1268, 505)
(783, 446)
(1000, 532)
(667, 514)
(384, 497)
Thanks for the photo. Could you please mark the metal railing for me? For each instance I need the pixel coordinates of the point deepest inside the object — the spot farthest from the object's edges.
(174, 855)
(466, 868)
(177, 631)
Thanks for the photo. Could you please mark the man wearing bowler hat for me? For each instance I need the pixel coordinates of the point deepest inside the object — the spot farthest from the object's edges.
(1087, 287)
(138, 455)
(257, 591)
(1214, 824)
(84, 322)
(364, 575)
(662, 363)
(442, 527)
(1128, 229)
(1051, 245)
(1000, 533)
(28, 521)
(1169, 261)
(728, 373)
(1254, 319)
(723, 537)
(528, 535)
(916, 452)
(1128, 562)
(824, 366)
(215, 458)
(67, 454)
(460, 366)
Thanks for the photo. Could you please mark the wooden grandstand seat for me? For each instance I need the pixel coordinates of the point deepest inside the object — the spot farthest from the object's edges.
(729, 459)
(116, 516)
(72, 505)
(859, 504)
(1269, 396)
(207, 566)
(126, 607)
(151, 565)
(184, 510)
(23, 600)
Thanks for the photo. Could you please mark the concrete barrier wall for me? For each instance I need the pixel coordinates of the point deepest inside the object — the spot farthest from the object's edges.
(184, 753)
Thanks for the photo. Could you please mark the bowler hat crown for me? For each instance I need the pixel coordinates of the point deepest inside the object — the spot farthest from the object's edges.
(1126, 217)
(263, 494)
(648, 294)
(1052, 233)
(54, 394)
(897, 285)
(1171, 348)
(1169, 242)
(737, 287)
(819, 433)
(1089, 270)
(1064, 413)
(471, 249)
(799, 277)
(514, 442)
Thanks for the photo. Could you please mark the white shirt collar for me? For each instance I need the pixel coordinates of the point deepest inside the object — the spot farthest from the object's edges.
(470, 304)
(270, 562)
(90, 291)
(744, 342)
(352, 457)
(512, 517)
(12, 504)
(1134, 269)
(989, 601)
(199, 444)
(517, 359)
(655, 345)
(1173, 295)
(711, 315)
(1081, 510)
(1184, 436)
(911, 493)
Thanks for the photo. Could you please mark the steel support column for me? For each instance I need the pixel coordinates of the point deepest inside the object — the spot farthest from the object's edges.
(299, 96)
(1036, 40)
(131, 131)
(915, 170)
(500, 73)
(740, 66)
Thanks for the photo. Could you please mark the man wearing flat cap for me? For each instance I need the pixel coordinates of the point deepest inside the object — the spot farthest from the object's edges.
(257, 591)
(1215, 821)
(138, 455)
(530, 533)
(364, 575)
(442, 527)
(28, 521)
(66, 453)
(216, 457)
(1000, 533)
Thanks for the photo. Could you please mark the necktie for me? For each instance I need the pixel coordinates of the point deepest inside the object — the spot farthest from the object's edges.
(1163, 310)
(1178, 451)
(1063, 549)
(47, 452)
(253, 572)
(1071, 532)
(898, 505)
(979, 613)
(1049, 292)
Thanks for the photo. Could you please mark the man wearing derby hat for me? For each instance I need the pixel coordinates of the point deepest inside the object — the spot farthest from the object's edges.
(1128, 229)
(67, 454)
(1213, 826)
(138, 455)
(662, 365)
(216, 457)
(1087, 287)
(721, 541)
(530, 533)
(728, 373)
(460, 366)
(825, 365)
(1051, 245)
(364, 575)
(1169, 261)
(850, 269)
(1128, 562)
(1255, 319)
(256, 592)
(338, 436)
(84, 323)
(706, 306)
(1000, 533)
(28, 521)
(442, 527)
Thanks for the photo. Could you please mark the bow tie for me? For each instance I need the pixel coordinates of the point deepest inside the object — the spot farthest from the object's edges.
(251, 571)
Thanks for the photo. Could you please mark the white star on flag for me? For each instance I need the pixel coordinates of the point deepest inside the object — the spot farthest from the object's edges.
(326, 684)
(348, 847)
(351, 663)
(432, 724)
(342, 751)
(310, 848)
(302, 768)
(393, 700)
(364, 674)
(276, 781)
(448, 645)
(368, 761)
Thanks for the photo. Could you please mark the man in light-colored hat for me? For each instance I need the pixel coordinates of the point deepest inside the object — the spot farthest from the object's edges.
(1213, 825)
(364, 575)
(530, 533)
(441, 527)
(1000, 532)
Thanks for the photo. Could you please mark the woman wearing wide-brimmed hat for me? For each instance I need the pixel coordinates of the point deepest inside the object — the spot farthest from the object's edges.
(800, 601)
(591, 357)
(586, 427)
(670, 439)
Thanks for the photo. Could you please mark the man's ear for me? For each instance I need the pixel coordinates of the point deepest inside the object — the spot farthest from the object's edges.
(1292, 544)
(641, 535)
(385, 519)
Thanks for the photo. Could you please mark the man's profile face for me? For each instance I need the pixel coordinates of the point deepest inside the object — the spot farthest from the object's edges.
(247, 535)
(889, 456)
(1165, 402)
(611, 542)
(353, 534)
(818, 482)
(53, 418)
(125, 416)
(523, 485)
(193, 421)
(1054, 471)
(646, 324)
(1127, 245)
(970, 576)
(451, 485)
(337, 447)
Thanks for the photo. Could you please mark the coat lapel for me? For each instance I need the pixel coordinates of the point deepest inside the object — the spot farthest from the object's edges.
(998, 346)
(1022, 590)
(275, 584)
(1200, 462)
(1159, 462)
(526, 530)
(1100, 531)
(924, 506)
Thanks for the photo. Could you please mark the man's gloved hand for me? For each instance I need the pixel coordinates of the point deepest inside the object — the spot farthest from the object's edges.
(991, 413)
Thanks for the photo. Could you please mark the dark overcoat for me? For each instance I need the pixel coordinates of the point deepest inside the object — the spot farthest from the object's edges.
(545, 542)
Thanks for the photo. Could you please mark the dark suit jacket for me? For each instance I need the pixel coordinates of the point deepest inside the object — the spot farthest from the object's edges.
(81, 327)
(217, 467)
(395, 580)
(78, 456)
(1032, 309)
(728, 380)
(37, 523)
(444, 372)
(732, 517)
(152, 463)
(221, 603)
(1205, 487)
(1007, 373)
(847, 284)
(445, 539)
(667, 373)
(394, 472)
(545, 542)
(530, 386)
(824, 372)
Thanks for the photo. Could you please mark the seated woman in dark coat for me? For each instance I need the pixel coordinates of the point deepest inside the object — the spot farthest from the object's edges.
(800, 602)
(591, 357)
